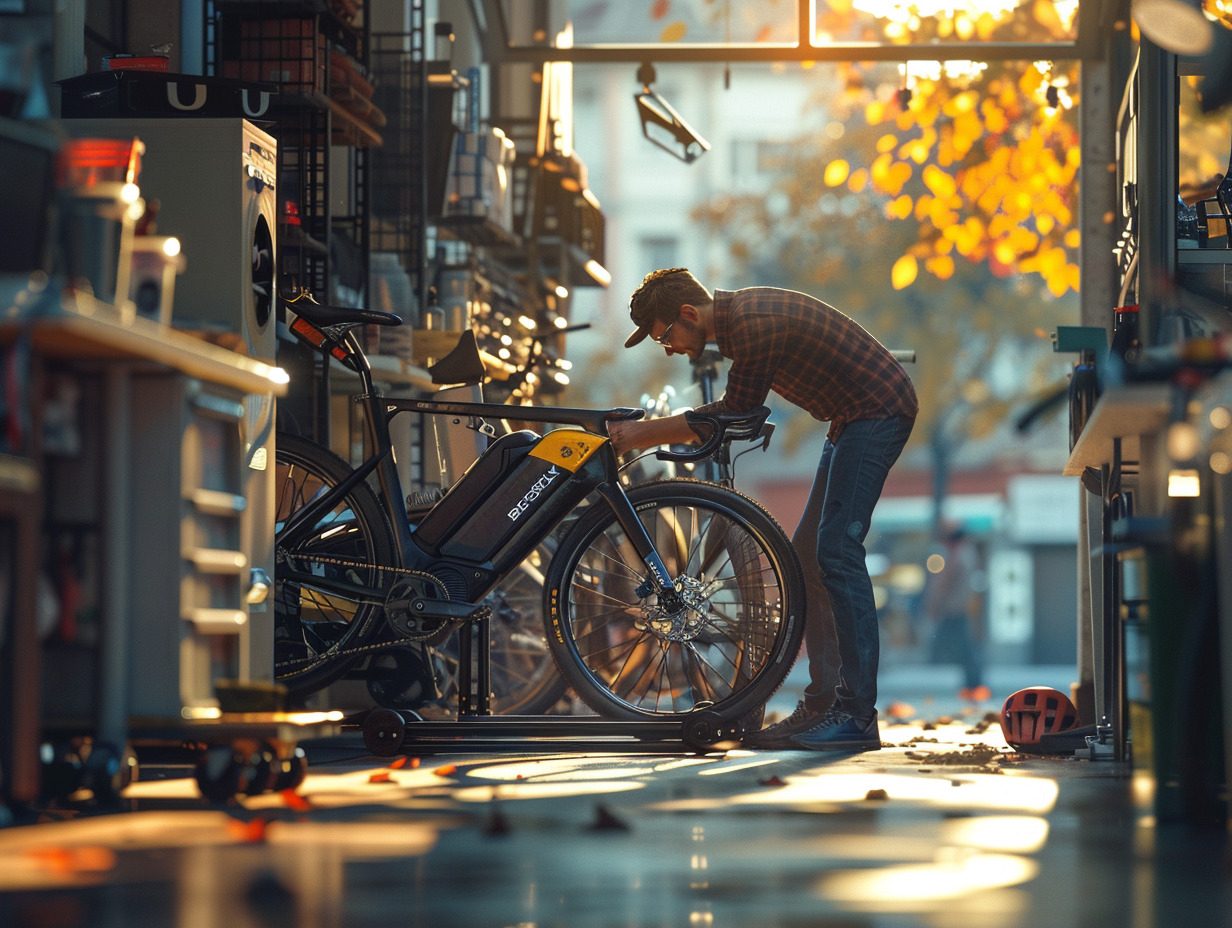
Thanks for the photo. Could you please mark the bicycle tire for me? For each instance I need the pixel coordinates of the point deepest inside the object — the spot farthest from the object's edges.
(728, 651)
(330, 624)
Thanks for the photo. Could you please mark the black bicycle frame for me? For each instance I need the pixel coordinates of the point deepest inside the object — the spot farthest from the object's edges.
(379, 411)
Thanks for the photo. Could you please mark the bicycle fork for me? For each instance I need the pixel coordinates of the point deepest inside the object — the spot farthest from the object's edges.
(660, 580)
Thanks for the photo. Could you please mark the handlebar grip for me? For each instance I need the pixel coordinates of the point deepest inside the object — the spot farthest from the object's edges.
(725, 426)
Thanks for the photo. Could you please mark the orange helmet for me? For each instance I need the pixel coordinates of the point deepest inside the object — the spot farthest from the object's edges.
(1030, 714)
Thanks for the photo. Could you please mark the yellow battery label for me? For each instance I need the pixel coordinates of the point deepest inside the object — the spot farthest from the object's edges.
(569, 448)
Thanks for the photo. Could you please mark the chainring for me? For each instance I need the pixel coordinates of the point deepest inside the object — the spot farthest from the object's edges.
(407, 606)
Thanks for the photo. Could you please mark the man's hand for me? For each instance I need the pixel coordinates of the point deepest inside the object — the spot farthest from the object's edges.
(629, 435)
(619, 432)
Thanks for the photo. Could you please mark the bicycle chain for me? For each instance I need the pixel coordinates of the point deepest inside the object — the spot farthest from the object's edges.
(482, 612)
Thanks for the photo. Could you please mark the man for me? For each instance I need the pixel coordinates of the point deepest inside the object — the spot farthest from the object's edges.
(824, 362)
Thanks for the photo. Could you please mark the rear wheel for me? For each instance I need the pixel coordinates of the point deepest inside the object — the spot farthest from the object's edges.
(315, 625)
(727, 650)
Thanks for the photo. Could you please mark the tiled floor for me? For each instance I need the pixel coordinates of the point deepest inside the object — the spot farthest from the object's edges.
(942, 827)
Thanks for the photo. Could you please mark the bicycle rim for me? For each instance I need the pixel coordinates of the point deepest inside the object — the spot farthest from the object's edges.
(730, 648)
(315, 627)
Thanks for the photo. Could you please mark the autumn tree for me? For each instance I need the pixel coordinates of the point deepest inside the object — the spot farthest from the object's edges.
(937, 204)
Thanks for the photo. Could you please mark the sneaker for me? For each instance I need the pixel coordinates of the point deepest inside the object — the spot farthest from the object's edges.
(776, 735)
(839, 731)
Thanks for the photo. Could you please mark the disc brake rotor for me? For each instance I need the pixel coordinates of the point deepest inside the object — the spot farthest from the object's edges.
(686, 623)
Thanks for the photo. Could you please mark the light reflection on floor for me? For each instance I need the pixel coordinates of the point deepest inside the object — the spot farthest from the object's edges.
(903, 836)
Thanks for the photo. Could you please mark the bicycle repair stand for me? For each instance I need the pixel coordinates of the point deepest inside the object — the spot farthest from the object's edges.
(388, 732)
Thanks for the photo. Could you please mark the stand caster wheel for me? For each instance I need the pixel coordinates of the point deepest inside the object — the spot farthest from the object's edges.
(63, 770)
(262, 767)
(384, 730)
(221, 773)
(109, 770)
(705, 730)
(291, 771)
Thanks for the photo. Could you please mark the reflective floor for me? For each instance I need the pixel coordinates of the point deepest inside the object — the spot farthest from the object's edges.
(942, 827)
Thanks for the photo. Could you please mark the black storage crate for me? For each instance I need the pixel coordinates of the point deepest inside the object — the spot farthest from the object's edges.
(160, 94)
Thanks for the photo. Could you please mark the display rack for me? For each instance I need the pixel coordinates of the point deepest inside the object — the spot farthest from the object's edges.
(325, 121)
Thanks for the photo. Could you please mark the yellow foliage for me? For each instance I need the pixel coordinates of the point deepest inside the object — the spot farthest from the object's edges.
(889, 175)
(960, 103)
(917, 151)
(904, 272)
(1004, 251)
(1030, 82)
(880, 169)
(940, 215)
(939, 182)
(900, 173)
(927, 113)
(886, 143)
(986, 25)
(673, 32)
(1072, 238)
(1057, 284)
(1024, 240)
(1046, 15)
(995, 120)
(874, 112)
(1053, 262)
(941, 267)
(967, 130)
(899, 207)
(836, 173)
(858, 180)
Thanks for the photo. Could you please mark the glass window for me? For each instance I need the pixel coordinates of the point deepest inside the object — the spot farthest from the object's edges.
(776, 22)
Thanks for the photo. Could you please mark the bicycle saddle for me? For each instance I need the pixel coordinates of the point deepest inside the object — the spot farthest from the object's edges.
(462, 365)
(323, 315)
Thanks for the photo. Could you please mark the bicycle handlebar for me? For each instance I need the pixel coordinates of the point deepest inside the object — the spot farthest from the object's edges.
(725, 427)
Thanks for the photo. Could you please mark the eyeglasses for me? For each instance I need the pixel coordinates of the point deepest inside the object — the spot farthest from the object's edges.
(662, 339)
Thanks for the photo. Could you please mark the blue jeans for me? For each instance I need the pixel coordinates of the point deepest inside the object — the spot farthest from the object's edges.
(830, 541)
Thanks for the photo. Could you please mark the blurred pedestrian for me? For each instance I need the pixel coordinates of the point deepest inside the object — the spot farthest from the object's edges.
(949, 608)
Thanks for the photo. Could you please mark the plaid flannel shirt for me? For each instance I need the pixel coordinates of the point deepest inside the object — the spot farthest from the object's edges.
(810, 354)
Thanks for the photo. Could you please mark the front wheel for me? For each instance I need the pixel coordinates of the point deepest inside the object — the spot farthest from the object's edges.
(731, 645)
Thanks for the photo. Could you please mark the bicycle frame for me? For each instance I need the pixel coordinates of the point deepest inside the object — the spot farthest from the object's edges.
(379, 410)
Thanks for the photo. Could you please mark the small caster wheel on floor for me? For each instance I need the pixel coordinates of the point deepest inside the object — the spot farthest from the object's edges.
(384, 730)
(292, 768)
(221, 772)
(109, 771)
(62, 770)
(706, 730)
